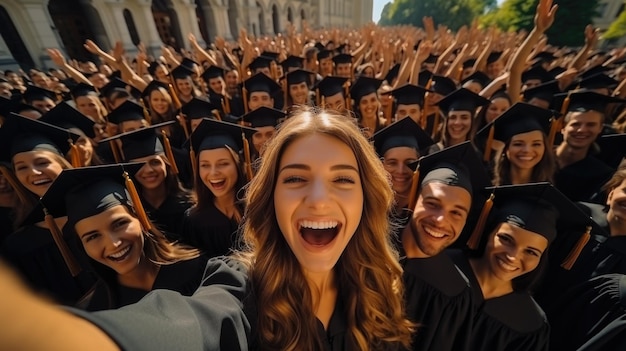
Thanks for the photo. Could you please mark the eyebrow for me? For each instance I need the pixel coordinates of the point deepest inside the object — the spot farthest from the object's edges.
(88, 233)
(432, 197)
(304, 167)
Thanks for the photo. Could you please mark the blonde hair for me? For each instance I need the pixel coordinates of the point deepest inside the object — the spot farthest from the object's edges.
(368, 275)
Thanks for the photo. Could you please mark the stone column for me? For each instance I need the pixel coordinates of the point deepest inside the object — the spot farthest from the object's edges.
(220, 13)
(45, 34)
(188, 22)
(116, 13)
(149, 35)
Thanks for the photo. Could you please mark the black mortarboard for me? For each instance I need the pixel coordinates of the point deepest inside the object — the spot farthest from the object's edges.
(612, 149)
(112, 86)
(22, 134)
(519, 118)
(545, 91)
(82, 89)
(261, 82)
(153, 67)
(585, 100)
(342, 58)
(593, 71)
(462, 100)
(409, 94)
(364, 86)
(554, 72)
(393, 73)
(494, 56)
(212, 134)
(598, 81)
(181, 72)
(479, 77)
(128, 111)
(319, 46)
(153, 85)
(442, 85)
(263, 117)
(457, 165)
(198, 108)
(213, 72)
(260, 62)
(324, 54)
(34, 93)
(331, 85)
(424, 77)
(545, 56)
(405, 132)
(141, 142)
(273, 56)
(536, 72)
(298, 76)
(536, 207)
(87, 191)
(292, 61)
(65, 116)
(469, 63)
(188, 63)
(432, 58)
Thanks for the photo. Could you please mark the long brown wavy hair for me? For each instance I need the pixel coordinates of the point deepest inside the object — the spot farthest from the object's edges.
(368, 275)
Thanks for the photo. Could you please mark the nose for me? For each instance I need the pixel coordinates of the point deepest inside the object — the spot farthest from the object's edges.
(115, 240)
(318, 194)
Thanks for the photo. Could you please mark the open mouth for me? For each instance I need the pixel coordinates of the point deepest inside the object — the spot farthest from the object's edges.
(505, 266)
(218, 184)
(433, 232)
(121, 254)
(42, 181)
(319, 233)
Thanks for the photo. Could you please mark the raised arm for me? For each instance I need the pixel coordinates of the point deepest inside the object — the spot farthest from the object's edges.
(57, 57)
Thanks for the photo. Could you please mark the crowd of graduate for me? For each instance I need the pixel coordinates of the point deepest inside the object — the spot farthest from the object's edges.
(384, 188)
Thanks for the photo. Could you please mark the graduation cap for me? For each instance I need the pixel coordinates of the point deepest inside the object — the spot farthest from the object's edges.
(494, 56)
(143, 142)
(212, 134)
(34, 93)
(594, 70)
(554, 72)
(319, 46)
(405, 132)
(260, 62)
(324, 54)
(364, 86)
(298, 76)
(585, 100)
(198, 108)
(21, 134)
(261, 82)
(478, 77)
(393, 73)
(545, 56)
(598, 81)
(273, 56)
(65, 116)
(292, 61)
(545, 91)
(423, 78)
(128, 111)
(469, 63)
(342, 58)
(519, 118)
(409, 94)
(442, 85)
(182, 72)
(432, 58)
(462, 100)
(263, 117)
(114, 85)
(82, 89)
(612, 149)
(331, 85)
(536, 72)
(153, 67)
(152, 86)
(213, 72)
(188, 63)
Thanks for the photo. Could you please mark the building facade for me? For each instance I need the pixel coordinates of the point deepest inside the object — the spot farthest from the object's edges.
(28, 27)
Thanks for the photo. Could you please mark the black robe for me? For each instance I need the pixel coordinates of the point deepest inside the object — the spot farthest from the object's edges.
(510, 322)
(210, 230)
(439, 299)
(582, 180)
(169, 216)
(184, 277)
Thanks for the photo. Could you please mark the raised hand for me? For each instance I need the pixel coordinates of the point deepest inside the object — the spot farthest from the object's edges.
(591, 35)
(92, 47)
(57, 57)
(544, 17)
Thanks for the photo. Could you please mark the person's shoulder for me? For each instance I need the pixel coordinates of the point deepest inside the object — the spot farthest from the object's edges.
(518, 310)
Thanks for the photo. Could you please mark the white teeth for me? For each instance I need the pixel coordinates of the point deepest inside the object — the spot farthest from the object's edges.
(318, 225)
(120, 253)
(41, 181)
(216, 181)
(436, 234)
(505, 265)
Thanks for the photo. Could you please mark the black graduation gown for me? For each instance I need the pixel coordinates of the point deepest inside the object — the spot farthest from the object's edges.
(581, 180)
(6, 223)
(184, 277)
(210, 230)
(31, 250)
(510, 322)
(169, 216)
(439, 298)
(590, 316)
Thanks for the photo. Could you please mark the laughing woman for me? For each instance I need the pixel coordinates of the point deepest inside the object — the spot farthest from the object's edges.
(318, 272)
(212, 223)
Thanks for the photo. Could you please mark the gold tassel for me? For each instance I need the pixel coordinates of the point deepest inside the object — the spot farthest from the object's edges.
(175, 98)
(348, 98)
(134, 196)
(413, 193)
(459, 74)
(323, 100)
(216, 114)
(488, 145)
(424, 117)
(571, 258)
(68, 257)
(75, 155)
(247, 158)
(474, 239)
(565, 104)
(168, 152)
(194, 166)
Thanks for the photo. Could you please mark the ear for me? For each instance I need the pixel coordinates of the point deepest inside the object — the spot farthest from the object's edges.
(609, 198)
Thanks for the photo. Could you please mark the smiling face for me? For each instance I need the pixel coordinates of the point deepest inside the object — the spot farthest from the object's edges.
(113, 238)
(36, 170)
(218, 171)
(438, 218)
(258, 99)
(159, 103)
(299, 93)
(262, 136)
(89, 106)
(496, 108)
(582, 129)
(335, 102)
(152, 174)
(617, 207)
(512, 251)
(526, 150)
(413, 110)
(318, 200)
(458, 125)
(368, 105)
(184, 86)
(395, 162)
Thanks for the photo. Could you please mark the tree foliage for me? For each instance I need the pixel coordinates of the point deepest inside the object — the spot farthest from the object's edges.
(568, 27)
(452, 13)
(617, 29)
